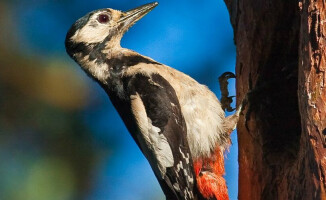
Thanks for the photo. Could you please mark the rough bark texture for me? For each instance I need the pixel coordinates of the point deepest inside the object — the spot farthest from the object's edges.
(281, 62)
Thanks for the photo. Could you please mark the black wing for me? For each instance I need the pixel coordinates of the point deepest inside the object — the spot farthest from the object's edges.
(163, 134)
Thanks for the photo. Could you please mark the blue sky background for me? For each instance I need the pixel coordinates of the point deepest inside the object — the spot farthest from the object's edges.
(194, 37)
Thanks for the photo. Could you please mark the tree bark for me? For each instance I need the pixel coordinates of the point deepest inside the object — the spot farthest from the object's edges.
(281, 63)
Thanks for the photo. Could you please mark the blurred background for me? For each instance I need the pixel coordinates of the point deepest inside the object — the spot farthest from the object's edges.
(60, 137)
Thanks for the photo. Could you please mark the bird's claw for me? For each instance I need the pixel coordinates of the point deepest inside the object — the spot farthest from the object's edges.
(226, 100)
(226, 103)
(227, 75)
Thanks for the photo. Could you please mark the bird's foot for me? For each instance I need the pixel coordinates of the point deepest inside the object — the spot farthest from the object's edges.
(226, 100)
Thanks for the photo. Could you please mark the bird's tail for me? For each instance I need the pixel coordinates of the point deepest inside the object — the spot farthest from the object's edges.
(209, 176)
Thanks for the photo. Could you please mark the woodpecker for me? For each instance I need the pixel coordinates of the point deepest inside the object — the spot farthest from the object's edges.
(178, 124)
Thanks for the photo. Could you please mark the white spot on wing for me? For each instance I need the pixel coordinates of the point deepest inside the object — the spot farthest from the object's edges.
(161, 148)
(179, 166)
(187, 158)
(154, 144)
(189, 177)
(176, 187)
(189, 194)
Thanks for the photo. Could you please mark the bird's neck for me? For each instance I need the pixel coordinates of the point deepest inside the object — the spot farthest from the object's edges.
(107, 62)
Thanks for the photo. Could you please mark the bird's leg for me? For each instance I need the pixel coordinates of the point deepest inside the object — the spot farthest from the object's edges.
(226, 100)
(230, 122)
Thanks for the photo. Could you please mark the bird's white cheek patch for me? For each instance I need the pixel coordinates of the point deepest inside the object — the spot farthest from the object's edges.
(89, 34)
(153, 143)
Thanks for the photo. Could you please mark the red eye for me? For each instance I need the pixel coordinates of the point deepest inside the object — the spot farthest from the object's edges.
(103, 18)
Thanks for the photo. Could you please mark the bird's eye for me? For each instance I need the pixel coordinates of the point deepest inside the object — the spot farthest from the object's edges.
(103, 18)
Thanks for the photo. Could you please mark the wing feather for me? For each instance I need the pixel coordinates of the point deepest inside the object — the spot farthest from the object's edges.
(162, 134)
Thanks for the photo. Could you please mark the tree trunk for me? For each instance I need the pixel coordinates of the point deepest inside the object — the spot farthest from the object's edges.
(281, 63)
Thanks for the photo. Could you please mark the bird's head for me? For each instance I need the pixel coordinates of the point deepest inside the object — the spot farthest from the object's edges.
(95, 38)
(102, 28)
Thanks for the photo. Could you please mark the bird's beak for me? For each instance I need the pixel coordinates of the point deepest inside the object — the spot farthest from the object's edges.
(132, 16)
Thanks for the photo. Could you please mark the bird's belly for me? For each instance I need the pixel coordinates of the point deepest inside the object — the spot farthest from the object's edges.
(204, 119)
